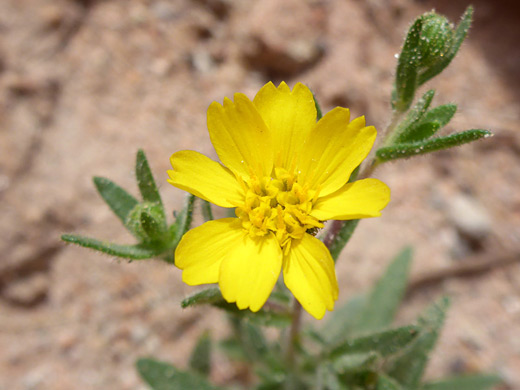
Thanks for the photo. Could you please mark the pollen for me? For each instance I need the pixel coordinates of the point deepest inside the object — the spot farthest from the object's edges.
(278, 204)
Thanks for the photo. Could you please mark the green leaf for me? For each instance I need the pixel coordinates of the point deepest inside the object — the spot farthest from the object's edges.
(319, 113)
(132, 252)
(386, 295)
(416, 113)
(406, 74)
(354, 362)
(200, 359)
(441, 114)
(465, 382)
(343, 237)
(342, 321)
(386, 383)
(206, 210)
(427, 126)
(209, 295)
(183, 220)
(264, 316)
(145, 179)
(120, 201)
(151, 227)
(458, 37)
(163, 376)
(384, 343)
(409, 367)
(410, 149)
(418, 132)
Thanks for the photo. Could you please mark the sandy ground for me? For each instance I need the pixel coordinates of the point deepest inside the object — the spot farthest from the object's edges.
(85, 83)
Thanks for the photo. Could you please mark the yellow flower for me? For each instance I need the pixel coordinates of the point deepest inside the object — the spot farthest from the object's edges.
(285, 174)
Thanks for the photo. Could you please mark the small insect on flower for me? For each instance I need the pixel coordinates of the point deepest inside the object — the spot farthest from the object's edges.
(285, 174)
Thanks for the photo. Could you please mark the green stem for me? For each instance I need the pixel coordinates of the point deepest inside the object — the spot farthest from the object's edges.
(294, 333)
(206, 210)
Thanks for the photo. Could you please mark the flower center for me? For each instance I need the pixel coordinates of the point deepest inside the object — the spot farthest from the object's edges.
(278, 204)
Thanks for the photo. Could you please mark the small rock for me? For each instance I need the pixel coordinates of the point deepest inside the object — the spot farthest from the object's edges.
(469, 217)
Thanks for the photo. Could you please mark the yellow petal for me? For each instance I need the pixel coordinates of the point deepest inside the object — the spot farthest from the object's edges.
(240, 136)
(205, 178)
(289, 115)
(249, 272)
(309, 273)
(334, 149)
(202, 250)
(360, 199)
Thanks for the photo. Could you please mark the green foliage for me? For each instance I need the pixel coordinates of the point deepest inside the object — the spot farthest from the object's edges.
(132, 252)
(200, 359)
(343, 237)
(410, 149)
(384, 343)
(278, 316)
(146, 220)
(407, 67)
(206, 210)
(409, 367)
(120, 201)
(386, 296)
(444, 60)
(466, 382)
(163, 376)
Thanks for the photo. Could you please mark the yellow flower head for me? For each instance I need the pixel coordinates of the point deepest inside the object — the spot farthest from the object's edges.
(285, 174)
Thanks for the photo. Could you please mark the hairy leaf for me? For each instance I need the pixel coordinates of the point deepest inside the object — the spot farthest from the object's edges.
(120, 201)
(163, 376)
(409, 367)
(386, 295)
(343, 237)
(410, 149)
(384, 343)
(132, 252)
(406, 74)
(200, 359)
(465, 382)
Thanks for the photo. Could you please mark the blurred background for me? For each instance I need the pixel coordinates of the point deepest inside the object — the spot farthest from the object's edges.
(85, 83)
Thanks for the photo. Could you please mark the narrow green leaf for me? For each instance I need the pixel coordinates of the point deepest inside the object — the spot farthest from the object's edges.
(200, 359)
(409, 367)
(342, 320)
(183, 220)
(460, 34)
(386, 383)
(416, 113)
(343, 237)
(328, 379)
(384, 343)
(120, 201)
(132, 252)
(264, 316)
(354, 362)
(319, 113)
(163, 376)
(206, 210)
(150, 226)
(422, 147)
(441, 114)
(418, 132)
(427, 126)
(406, 74)
(207, 296)
(465, 382)
(386, 295)
(145, 179)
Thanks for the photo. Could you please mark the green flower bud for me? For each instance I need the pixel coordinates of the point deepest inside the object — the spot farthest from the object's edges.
(146, 220)
(435, 40)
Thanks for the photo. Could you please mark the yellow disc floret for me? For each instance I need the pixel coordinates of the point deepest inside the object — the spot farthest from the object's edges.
(278, 204)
